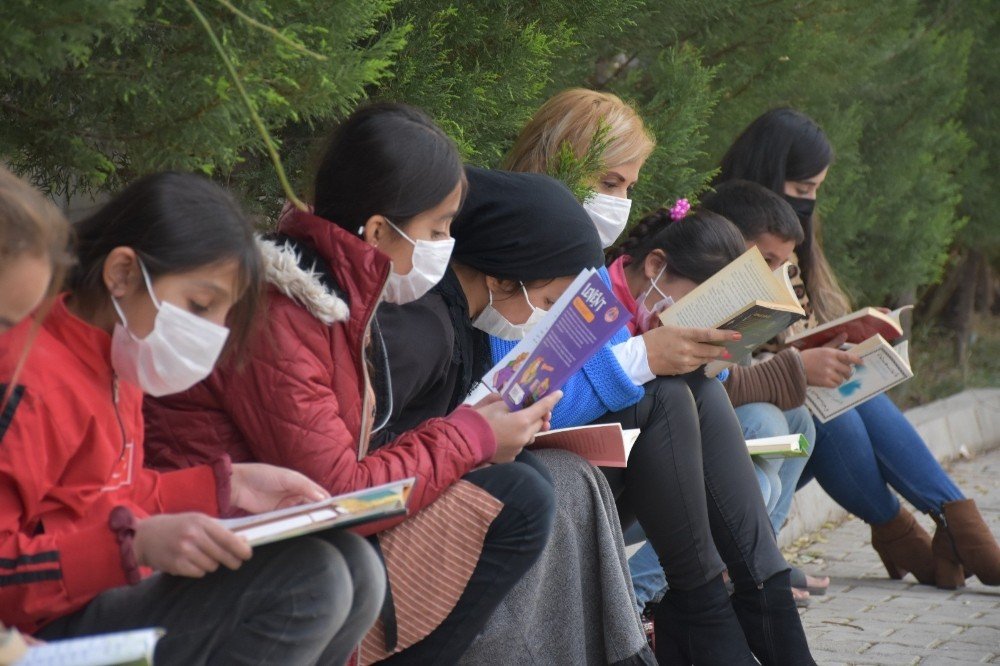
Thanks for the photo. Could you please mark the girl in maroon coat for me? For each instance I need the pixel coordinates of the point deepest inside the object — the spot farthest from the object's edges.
(385, 194)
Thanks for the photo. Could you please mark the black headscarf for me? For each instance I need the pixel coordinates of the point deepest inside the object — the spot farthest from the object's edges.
(523, 226)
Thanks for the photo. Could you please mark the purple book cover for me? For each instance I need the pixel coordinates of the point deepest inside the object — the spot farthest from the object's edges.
(592, 316)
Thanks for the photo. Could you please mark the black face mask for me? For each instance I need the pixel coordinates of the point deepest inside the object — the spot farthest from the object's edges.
(803, 207)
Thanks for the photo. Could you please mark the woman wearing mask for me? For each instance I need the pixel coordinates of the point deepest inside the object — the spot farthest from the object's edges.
(872, 447)
(95, 541)
(507, 270)
(612, 379)
(316, 387)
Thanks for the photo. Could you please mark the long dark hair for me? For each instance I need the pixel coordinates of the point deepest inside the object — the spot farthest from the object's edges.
(175, 222)
(780, 145)
(385, 159)
(696, 246)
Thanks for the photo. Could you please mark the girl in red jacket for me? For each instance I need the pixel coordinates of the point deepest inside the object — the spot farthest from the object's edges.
(84, 527)
(385, 194)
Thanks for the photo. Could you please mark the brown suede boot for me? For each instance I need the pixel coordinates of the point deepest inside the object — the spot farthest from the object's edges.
(904, 546)
(964, 546)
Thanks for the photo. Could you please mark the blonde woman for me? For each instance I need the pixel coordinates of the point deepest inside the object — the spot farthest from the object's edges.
(573, 117)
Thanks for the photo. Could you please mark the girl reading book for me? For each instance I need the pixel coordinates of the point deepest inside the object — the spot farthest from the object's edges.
(872, 447)
(691, 441)
(506, 268)
(96, 542)
(316, 386)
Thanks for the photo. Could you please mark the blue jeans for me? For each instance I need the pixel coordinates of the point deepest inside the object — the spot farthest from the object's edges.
(860, 454)
(777, 479)
(761, 419)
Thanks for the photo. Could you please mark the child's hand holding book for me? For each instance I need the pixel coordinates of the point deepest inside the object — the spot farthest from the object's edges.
(829, 366)
(515, 430)
(677, 350)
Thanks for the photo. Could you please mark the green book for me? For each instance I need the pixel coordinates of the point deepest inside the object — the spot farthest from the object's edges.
(782, 446)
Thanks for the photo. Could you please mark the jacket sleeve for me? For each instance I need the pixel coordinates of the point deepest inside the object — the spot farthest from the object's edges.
(601, 386)
(780, 380)
(46, 575)
(283, 403)
(202, 488)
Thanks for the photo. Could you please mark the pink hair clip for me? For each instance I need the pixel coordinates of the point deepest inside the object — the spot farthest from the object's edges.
(680, 209)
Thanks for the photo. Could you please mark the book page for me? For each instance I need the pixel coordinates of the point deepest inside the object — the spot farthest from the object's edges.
(132, 648)
(884, 367)
(746, 280)
(897, 314)
(781, 275)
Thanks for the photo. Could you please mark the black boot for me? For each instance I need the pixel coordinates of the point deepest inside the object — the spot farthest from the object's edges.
(770, 620)
(699, 627)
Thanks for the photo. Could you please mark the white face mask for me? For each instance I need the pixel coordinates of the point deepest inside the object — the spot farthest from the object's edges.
(609, 214)
(491, 321)
(648, 318)
(430, 261)
(179, 352)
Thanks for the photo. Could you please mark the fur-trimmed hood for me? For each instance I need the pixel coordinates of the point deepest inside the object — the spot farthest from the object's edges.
(283, 270)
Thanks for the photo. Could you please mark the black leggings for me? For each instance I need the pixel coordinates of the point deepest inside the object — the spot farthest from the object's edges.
(691, 484)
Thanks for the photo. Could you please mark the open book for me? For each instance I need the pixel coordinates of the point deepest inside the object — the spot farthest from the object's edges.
(781, 446)
(858, 326)
(580, 322)
(361, 506)
(123, 648)
(602, 444)
(884, 367)
(744, 296)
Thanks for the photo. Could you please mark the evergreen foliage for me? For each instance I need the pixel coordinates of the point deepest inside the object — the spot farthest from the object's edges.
(97, 92)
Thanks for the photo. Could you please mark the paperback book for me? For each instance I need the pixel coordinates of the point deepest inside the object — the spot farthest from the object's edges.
(580, 322)
(781, 446)
(884, 367)
(857, 326)
(602, 444)
(745, 296)
(123, 648)
(362, 506)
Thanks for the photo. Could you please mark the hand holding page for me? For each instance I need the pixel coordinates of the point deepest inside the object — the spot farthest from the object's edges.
(602, 444)
(884, 367)
(580, 322)
(362, 506)
(745, 296)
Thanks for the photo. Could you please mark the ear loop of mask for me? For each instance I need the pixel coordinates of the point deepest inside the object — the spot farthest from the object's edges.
(149, 290)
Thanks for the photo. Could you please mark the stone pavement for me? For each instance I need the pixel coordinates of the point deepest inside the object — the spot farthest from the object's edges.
(867, 618)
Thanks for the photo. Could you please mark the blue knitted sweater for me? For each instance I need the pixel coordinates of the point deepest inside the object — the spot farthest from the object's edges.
(601, 386)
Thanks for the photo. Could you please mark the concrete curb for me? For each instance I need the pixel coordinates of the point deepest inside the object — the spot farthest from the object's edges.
(964, 424)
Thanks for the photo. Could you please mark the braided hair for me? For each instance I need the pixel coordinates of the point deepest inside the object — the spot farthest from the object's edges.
(697, 246)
